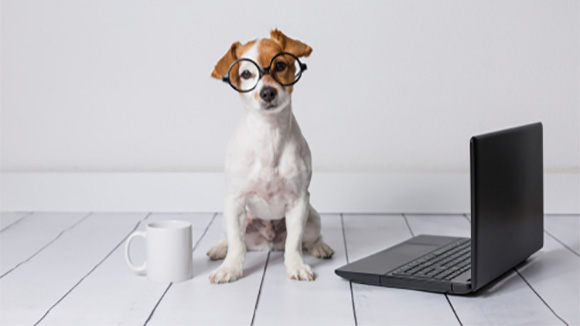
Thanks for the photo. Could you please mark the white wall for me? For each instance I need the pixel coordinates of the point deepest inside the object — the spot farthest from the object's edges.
(391, 86)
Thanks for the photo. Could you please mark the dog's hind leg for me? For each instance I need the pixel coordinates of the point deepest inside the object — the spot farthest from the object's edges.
(313, 239)
(219, 251)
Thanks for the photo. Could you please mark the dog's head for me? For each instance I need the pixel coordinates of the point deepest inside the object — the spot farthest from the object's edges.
(275, 60)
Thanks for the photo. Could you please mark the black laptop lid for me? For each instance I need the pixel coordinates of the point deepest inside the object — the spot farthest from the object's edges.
(507, 204)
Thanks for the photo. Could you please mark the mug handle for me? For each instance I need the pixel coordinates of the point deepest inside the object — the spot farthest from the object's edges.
(140, 270)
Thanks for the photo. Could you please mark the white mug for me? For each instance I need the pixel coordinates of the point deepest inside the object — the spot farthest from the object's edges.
(169, 251)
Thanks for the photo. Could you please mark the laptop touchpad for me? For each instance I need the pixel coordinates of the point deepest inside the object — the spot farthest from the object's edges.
(387, 260)
(405, 254)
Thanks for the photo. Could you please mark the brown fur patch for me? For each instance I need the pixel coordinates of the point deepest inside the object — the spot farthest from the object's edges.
(233, 54)
(278, 42)
(295, 47)
(267, 49)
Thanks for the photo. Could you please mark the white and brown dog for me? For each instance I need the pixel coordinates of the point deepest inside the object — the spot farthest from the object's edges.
(268, 163)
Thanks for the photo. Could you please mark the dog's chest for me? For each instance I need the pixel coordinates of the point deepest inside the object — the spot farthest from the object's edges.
(268, 182)
(269, 192)
(269, 166)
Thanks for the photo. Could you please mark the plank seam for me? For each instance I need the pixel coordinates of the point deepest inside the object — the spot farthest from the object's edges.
(539, 296)
(347, 261)
(46, 245)
(171, 284)
(204, 232)
(157, 303)
(408, 226)
(467, 218)
(563, 244)
(92, 269)
(16, 222)
(446, 296)
(260, 289)
(452, 308)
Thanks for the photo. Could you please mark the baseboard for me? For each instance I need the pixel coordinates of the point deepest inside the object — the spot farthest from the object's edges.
(204, 192)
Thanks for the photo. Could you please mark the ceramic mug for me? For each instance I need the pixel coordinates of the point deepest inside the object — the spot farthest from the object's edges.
(169, 253)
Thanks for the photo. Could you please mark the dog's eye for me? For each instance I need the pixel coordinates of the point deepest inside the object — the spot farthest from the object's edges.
(280, 66)
(246, 74)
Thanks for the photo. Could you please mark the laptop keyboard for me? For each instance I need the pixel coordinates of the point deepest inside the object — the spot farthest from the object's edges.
(443, 264)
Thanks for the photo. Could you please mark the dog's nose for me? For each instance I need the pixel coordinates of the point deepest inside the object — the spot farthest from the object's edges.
(268, 94)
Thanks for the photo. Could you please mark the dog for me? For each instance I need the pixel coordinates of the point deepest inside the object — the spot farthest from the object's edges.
(268, 162)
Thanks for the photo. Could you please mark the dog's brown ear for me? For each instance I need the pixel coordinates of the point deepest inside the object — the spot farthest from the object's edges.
(221, 68)
(295, 47)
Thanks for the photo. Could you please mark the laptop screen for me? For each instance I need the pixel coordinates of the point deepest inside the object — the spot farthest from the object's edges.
(507, 205)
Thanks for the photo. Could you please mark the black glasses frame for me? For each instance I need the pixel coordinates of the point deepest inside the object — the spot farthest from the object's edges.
(264, 71)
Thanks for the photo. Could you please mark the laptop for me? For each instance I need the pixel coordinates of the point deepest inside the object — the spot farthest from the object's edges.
(507, 222)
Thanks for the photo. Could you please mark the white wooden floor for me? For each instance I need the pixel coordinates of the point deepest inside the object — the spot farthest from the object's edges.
(69, 269)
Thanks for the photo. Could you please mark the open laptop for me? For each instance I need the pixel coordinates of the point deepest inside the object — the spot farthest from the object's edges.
(507, 221)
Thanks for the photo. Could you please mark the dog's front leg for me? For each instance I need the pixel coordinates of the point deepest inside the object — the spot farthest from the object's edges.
(296, 217)
(235, 228)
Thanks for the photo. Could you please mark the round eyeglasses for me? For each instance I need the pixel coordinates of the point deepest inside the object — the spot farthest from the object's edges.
(244, 74)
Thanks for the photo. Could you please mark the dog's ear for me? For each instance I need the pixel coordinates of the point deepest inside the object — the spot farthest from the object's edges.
(221, 68)
(295, 47)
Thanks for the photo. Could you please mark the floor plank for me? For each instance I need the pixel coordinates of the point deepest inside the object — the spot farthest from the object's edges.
(507, 301)
(325, 301)
(30, 291)
(30, 235)
(201, 303)
(113, 288)
(77, 273)
(566, 229)
(554, 274)
(8, 219)
(367, 234)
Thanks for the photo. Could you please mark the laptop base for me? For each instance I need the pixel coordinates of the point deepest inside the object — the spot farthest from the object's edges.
(375, 269)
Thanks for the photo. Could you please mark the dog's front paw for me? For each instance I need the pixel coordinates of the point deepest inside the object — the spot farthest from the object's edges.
(225, 274)
(300, 272)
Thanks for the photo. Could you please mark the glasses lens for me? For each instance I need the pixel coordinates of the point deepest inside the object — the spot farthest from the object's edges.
(244, 75)
(285, 69)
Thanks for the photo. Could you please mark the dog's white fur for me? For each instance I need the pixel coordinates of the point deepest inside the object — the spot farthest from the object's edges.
(268, 169)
